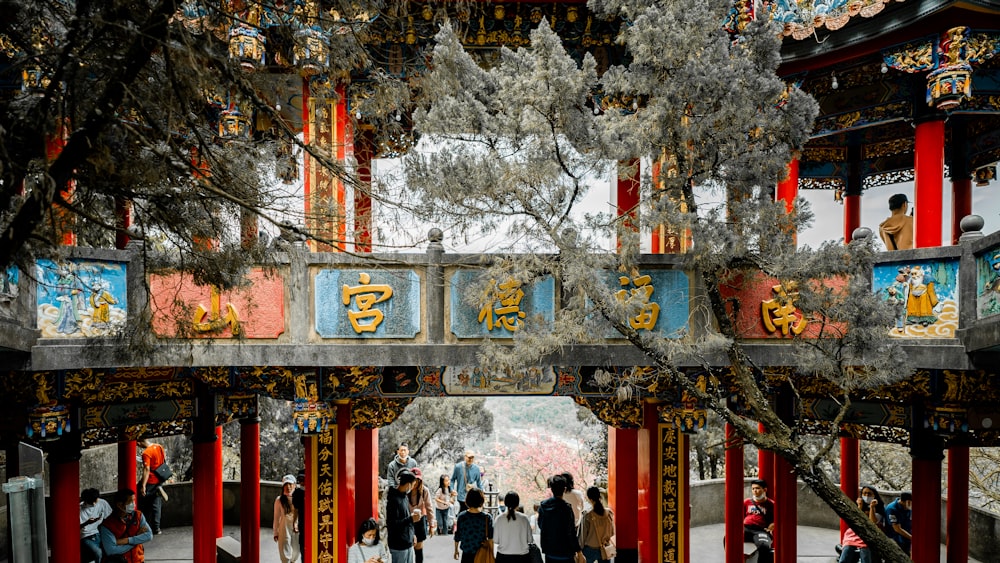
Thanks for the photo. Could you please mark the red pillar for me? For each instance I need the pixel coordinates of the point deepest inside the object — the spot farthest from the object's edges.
(344, 479)
(647, 474)
(312, 468)
(852, 215)
(958, 505)
(850, 454)
(364, 151)
(785, 492)
(123, 221)
(366, 486)
(127, 465)
(64, 479)
(734, 496)
(627, 195)
(765, 461)
(961, 205)
(928, 171)
(217, 485)
(926, 547)
(250, 489)
(623, 496)
(207, 504)
(788, 189)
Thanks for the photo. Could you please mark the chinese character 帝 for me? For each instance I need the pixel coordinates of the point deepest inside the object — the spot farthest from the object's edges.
(779, 312)
(365, 319)
(643, 291)
(509, 314)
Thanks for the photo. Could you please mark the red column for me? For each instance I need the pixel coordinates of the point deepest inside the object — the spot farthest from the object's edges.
(961, 205)
(364, 151)
(366, 486)
(647, 473)
(344, 479)
(958, 504)
(926, 547)
(627, 195)
(250, 489)
(928, 171)
(785, 492)
(788, 189)
(126, 465)
(850, 453)
(217, 485)
(64, 479)
(205, 501)
(312, 468)
(683, 493)
(734, 496)
(852, 215)
(123, 220)
(765, 461)
(623, 495)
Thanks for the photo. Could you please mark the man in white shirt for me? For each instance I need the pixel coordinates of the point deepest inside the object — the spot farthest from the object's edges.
(93, 511)
(574, 497)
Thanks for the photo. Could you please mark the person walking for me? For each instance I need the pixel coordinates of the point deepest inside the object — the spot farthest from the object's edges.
(126, 530)
(556, 524)
(398, 463)
(512, 532)
(368, 548)
(897, 230)
(474, 527)
(444, 497)
(93, 511)
(574, 497)
(597, 526)
(299, 504)
(399, 519)
(150, 501)
(420, 499)
(465, 477)
(286, 522)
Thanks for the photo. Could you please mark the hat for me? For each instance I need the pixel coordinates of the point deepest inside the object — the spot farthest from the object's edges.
(417, 473)
(288, 479)
(897, 201)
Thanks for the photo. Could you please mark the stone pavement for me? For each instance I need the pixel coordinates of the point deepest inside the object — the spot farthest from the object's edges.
(815, 546)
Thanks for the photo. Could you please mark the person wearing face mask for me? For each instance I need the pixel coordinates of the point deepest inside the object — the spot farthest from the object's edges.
(758, 520)
(399, 519)
(854, 548)
(368, 548)
(124, 532)
(899, 517)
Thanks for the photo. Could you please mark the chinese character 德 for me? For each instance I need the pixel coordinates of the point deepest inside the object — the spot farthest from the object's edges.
(509, 314)
(365, 319)
(643, 291)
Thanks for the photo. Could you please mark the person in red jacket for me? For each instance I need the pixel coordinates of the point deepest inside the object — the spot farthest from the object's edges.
(758, 520)
(124, 532)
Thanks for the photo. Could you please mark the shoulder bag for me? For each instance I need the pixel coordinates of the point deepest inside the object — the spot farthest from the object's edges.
(163, 472)
(485, 552)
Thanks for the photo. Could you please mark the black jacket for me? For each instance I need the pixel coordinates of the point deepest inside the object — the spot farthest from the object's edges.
(557, 526)
(398, 523)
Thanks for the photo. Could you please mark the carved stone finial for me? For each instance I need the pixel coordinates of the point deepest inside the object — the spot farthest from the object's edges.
(435, 235)
(972, 227)
(861, 233)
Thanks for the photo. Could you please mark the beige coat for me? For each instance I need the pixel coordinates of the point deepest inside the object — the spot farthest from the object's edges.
(897, 231)
(596, 530)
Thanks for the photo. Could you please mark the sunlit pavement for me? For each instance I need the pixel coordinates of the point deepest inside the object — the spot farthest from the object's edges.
(174, 545)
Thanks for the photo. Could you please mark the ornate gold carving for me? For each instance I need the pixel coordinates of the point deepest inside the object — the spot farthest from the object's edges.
(619, 414)
(888, 148)
(82, 383)
(217, 377)
(276, 382)
(375, 412)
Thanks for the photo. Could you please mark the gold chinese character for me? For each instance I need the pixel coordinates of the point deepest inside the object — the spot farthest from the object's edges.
(643, 291)
(365, 319)
(509, 314)
(779, 312)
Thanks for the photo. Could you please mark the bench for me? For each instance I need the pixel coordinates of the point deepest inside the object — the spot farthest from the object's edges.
(227, 550)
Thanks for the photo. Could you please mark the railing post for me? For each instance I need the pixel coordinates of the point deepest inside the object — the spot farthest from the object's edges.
(435, 287)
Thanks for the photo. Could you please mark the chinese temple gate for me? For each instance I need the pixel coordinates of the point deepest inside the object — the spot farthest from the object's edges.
(908, 91)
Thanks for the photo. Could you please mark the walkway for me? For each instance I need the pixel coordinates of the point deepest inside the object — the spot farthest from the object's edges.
(815, 546)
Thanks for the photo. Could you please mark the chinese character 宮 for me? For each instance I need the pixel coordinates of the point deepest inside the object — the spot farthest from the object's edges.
(365, 318)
